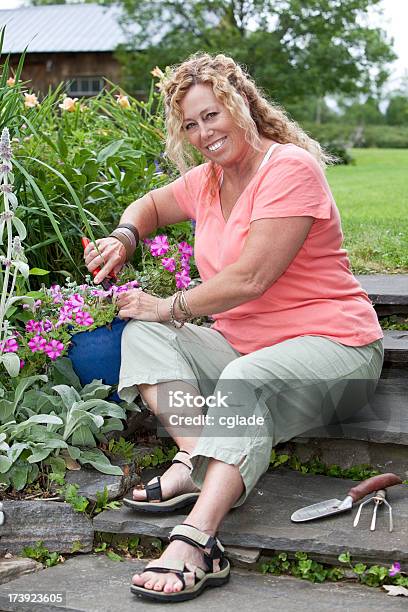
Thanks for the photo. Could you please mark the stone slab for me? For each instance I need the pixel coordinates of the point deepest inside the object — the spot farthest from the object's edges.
(383, 420)
(396, 347)
(55, 523)
(242, 556)
(349, 453)
(96, 584)
(264, 521)
(385, 288)
(14, 567)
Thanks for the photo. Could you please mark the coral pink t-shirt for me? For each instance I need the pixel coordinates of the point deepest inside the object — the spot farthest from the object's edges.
(317, 294)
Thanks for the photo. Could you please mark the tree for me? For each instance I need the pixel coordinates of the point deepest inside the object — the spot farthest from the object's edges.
(397, 110)
(293, 48)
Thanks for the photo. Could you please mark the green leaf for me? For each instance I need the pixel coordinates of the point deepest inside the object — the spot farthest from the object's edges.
(5, 464)
(18, 476)
(12, 363)
(64, 372)
(113, 556)
(95, 390)
(38, 272)
(344, 557)
(68, 394)
(20, 227)
(24, 384)
(100, 462)
(109, 151)
(83, 436)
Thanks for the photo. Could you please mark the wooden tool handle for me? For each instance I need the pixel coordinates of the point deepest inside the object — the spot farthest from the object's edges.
(373, 484)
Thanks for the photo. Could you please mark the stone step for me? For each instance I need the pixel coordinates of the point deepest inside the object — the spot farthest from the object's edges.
(396, 348)
(389, 292)
(263, 522)
(383, 420)
(94, 583)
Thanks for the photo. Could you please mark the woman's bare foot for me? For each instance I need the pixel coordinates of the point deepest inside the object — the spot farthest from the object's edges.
(169, 582)
(175, 481)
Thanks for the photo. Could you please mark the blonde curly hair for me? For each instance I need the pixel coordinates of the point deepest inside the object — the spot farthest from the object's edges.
(231, 84)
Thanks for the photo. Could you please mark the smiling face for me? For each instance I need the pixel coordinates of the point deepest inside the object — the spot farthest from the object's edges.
(210, 128)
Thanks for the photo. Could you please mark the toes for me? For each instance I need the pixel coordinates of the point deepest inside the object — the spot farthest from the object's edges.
(173, 586)
(159, 584)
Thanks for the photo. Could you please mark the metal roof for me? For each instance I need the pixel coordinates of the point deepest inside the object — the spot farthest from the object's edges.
(62, 28)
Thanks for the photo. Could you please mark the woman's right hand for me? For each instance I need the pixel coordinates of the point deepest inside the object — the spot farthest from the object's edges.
(111, 257)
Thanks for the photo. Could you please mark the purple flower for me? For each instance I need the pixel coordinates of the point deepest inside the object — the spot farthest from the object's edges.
(75, 302)
(182, 279)
(83, 318)
(169, 263)
(47, 325)
(22, 364)
(185, 249)
(37, 344)
(395, 569)
(159, 245)
(10, 346)
(53, 349)
(33, 326)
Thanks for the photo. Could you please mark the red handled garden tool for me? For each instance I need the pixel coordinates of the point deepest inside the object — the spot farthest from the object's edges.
(335, 506)
(109, 280)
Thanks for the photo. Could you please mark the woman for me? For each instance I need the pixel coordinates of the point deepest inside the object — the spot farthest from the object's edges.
(292, 330)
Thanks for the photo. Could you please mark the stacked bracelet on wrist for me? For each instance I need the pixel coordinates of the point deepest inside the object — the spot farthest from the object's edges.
(128, 235)
(179, 298)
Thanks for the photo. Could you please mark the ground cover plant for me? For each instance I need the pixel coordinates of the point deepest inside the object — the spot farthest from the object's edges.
(373, 203)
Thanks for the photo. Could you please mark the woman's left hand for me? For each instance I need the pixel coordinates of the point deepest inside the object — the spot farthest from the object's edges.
(136, 304)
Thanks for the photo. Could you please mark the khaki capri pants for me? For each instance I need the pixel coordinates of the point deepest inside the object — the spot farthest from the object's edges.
(287, 389)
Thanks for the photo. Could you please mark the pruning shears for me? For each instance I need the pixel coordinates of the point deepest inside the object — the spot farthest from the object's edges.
(109, 280)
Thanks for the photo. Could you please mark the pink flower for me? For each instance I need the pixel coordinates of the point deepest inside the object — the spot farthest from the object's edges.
(185, 249)
(75, 302)
(22, 364)
(33, 326)
(159, 245)
(10, 346)
(169, 263)
(395, 569)
(37, 344)
(65, 313)
(47, 325)
(83, 318)
(53, 348)
(182, 279)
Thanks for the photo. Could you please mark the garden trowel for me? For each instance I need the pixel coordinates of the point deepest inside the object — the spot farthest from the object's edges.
(335, 506)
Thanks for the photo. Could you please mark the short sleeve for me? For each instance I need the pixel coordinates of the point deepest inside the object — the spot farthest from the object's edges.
(187, 190)
(292, 186)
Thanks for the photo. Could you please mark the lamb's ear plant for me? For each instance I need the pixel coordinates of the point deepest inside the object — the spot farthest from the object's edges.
(12, 259)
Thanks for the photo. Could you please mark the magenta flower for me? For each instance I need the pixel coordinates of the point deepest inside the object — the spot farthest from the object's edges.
(53, 349)
(65, 313)
(10, 346)
(147, 241)
(182, 279)
(83, 318)
(169, 263)
(33, 326)
(395, 569)
(159, 245)
(22, 364)
(185, 249)
(37, 344)
(47, 325)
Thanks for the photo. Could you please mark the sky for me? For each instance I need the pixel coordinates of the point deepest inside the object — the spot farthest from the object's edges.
(394, 22)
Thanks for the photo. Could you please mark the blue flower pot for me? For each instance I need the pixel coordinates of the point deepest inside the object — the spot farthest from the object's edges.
(96, 354)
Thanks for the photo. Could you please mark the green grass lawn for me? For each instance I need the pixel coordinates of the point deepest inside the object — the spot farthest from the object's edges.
(372, 197)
